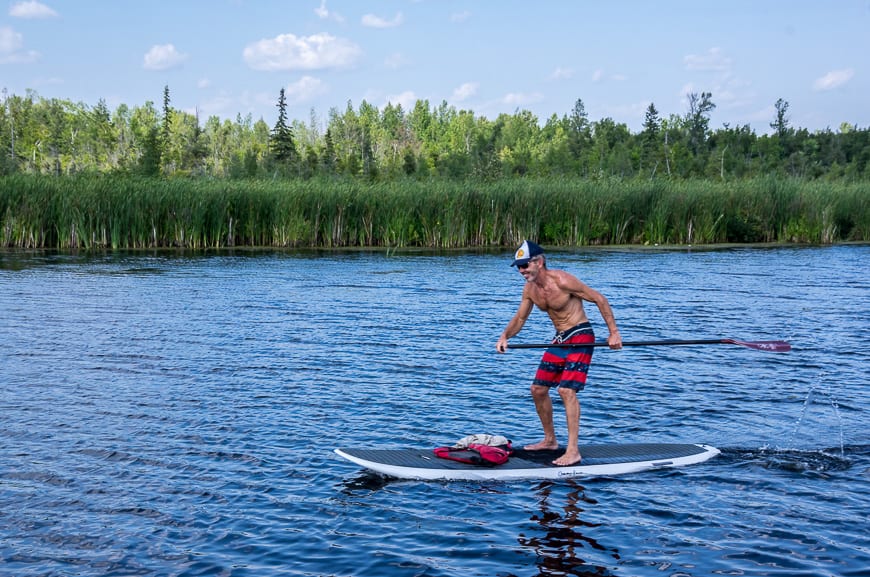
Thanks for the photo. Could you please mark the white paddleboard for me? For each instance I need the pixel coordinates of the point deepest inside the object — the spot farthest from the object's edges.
(598, 460)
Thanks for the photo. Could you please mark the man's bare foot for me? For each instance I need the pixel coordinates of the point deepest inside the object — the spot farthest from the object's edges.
(543, 446)
(567, 460)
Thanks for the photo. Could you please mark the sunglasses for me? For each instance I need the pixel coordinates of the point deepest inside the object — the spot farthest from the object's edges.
(525, 266)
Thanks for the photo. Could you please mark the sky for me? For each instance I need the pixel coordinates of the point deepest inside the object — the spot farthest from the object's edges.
(229, 57)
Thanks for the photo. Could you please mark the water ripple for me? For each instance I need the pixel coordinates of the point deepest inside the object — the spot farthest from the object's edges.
(175, 415)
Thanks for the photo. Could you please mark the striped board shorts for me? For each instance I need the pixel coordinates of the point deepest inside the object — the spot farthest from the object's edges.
(567, 367)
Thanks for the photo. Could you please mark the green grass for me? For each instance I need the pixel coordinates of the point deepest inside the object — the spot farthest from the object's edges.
(131, 212)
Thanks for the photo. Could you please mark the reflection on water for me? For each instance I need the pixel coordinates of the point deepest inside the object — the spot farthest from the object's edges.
(366, 481)
(561, 544)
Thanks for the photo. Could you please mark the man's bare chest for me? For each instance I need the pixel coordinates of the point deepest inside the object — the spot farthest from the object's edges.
(551, 298)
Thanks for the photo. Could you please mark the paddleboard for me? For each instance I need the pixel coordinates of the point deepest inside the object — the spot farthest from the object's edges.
(597, 460)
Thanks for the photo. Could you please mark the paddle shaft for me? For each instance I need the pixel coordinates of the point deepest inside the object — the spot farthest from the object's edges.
(772, 346)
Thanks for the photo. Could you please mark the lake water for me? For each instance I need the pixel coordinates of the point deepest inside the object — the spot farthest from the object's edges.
(172, 414)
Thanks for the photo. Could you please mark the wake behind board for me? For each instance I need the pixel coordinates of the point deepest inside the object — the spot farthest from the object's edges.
(597, 460)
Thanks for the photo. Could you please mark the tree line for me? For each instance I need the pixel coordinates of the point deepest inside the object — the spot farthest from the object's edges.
(51, 136)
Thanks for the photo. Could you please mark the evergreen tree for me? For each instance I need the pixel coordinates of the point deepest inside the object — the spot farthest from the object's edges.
(281, 140)
(579, 131)
(7, 136)
(59, 141)
(149, 162)
(102, 134)
(782, 131)
(328, 158)
(196, 148)
(167, 130)
(650, 138)
(409, 162)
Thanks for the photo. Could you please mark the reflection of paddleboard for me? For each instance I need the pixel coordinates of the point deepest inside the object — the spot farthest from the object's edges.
(597, 460)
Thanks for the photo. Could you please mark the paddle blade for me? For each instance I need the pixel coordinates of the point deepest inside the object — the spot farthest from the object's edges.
(769, 346)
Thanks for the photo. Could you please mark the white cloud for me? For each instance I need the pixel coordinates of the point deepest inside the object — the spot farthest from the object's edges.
(561, 73)
(163, 57)
(325, 13)
(465, 91)
(406, 99)
(766, 114)
(10, 40)
(322, 11)
(291, 52)
(460, 16)
(373, 21)
(521, 98)
(395, 61)
(713, 61)
(833, 79)
(304, 89)
(203, 83)
(687, 89)
(599, 75)
(252, 101)
(728, 92)
(635, 111)
(220, 105)
(732, 92)
(31, 9)
(11, 43)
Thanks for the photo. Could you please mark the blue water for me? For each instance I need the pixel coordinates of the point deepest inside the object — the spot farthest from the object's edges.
(172, 414)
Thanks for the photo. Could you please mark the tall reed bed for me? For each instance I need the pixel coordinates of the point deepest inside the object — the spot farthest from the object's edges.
(129, 212)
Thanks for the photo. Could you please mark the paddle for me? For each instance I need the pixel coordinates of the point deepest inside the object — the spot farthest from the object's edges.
(769, 346)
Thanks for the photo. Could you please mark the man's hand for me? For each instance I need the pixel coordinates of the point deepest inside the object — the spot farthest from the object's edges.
(614, 341)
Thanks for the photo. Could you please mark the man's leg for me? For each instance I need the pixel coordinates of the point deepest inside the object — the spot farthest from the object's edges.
(574, 380)
(544, 407)
(572, 414)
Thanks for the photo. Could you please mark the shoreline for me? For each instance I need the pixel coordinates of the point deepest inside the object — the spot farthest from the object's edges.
(395, 251)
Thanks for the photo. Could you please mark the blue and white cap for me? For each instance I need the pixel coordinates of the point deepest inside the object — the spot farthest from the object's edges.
(526, 252)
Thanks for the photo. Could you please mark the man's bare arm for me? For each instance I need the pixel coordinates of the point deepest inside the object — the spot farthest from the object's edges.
(516, 323)
(579, 289)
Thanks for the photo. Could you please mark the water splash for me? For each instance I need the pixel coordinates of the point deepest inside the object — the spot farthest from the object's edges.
(821, 461)
(808, 401)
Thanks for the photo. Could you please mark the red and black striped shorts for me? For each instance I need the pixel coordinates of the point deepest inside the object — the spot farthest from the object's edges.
(567, 367)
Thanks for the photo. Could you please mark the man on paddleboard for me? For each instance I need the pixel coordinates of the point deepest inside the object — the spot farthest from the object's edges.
(561, 296)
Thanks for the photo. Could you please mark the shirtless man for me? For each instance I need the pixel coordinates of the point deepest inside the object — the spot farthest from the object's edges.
(560, 295)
